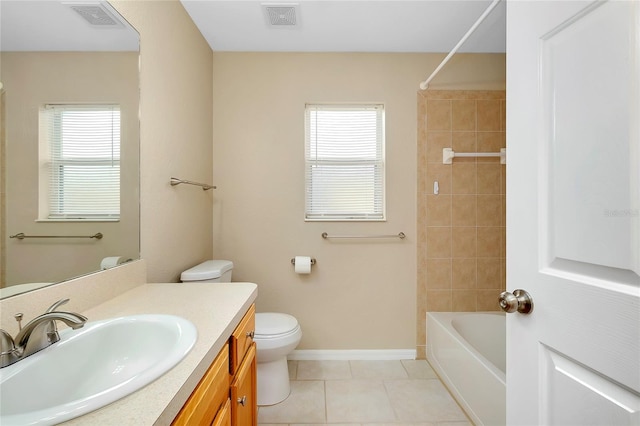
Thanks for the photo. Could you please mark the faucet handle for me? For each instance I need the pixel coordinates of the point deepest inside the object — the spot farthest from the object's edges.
(56, 305)
(18, 318)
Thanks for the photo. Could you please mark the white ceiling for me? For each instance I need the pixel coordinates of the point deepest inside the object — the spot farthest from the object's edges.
(49, 25)
(352, 26)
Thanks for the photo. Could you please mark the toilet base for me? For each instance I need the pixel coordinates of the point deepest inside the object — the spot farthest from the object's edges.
(273, 381)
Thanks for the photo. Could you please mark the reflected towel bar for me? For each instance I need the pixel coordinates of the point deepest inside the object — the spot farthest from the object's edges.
(21, 236)
(176, 181)
(401, 235)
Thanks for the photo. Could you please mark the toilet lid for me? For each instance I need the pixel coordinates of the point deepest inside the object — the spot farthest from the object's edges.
(272, 323)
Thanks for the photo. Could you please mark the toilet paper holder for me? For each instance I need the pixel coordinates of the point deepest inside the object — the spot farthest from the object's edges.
(293, 261)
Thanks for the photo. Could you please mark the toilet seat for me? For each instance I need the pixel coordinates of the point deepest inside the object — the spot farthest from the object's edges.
(272, 325)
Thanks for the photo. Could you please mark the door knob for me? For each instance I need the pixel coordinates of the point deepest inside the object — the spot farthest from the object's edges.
(519, 300)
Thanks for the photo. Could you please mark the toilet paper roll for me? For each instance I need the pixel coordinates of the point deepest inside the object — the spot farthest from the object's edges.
(110, 262)
(303, 265)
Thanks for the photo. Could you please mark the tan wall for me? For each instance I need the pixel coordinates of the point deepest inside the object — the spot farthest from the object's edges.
(461, 244)
(361, 294)
(175, 131)
(31, 80)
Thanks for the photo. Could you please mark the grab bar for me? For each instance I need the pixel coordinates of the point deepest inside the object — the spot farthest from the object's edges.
(401, 235)
(21, 236)
(176, 181)
(449, 154)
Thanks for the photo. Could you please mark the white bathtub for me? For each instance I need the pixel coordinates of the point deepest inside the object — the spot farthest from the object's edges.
(468, 351)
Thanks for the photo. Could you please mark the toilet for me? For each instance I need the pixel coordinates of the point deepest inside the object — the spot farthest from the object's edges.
(276, 335)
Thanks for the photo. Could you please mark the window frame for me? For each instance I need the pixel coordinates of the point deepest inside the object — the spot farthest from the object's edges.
(377, 163)
(51, 146)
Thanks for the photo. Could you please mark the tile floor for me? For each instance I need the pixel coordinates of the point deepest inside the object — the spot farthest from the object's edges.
(364, 393)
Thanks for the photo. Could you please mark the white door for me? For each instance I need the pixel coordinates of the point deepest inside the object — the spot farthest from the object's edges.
(573, 212)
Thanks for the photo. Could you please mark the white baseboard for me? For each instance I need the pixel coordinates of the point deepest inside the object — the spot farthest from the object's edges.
(351, 354)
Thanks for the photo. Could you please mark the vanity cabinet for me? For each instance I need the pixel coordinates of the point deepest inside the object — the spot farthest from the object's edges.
(226, 395)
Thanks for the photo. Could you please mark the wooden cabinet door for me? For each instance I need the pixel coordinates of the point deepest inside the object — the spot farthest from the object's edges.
(224, 415)
(209, 395)
(242, 339)
(244, 392)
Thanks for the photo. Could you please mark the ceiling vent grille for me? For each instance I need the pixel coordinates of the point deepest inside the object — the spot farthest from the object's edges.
(96, 14)
(281, 15)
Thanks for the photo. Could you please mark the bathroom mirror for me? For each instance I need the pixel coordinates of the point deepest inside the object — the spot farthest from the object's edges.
(65, 54)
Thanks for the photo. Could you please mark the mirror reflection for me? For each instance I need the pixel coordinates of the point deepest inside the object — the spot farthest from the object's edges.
(69, 150)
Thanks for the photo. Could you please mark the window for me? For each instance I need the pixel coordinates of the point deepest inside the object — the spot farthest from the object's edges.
(81, 167)
(344, 162)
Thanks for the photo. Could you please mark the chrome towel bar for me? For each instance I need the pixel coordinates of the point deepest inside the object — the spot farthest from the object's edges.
(176, 181)
(21, 236)
(400, 235)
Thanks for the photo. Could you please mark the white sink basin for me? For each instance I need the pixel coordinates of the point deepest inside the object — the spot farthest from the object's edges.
(92, 367)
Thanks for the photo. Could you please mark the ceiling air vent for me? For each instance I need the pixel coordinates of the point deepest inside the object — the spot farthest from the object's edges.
(96, 14)
(281, 15)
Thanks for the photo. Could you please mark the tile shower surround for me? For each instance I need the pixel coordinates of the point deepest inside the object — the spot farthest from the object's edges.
(461, 231)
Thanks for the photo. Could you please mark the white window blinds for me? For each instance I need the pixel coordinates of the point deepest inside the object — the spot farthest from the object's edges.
(84, 161)
(344, 167)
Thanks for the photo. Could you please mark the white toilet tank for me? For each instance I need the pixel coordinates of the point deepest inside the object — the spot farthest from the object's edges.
(211, 271)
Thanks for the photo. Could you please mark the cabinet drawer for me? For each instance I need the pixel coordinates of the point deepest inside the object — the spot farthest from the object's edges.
(209, 395)
(224, 415)
(242, 338)
(243, 391)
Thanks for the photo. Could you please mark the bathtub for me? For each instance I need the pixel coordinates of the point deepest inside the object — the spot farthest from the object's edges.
(468, 351)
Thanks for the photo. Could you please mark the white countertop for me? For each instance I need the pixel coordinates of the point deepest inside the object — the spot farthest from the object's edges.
(215, 310)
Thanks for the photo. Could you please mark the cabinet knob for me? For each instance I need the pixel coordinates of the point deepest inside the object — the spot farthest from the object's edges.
(250, 334)
(242, 401)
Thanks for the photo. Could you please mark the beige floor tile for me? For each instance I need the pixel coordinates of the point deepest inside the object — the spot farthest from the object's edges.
(357, 401)
(419, 369)
(422, 401)
(378, 370)
(323, 370)
(306, 403)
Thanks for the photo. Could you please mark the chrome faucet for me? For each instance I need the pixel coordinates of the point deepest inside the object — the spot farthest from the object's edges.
(39, 333)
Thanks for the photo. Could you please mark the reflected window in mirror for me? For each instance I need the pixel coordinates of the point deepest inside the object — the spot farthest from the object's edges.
(51, 55)
(80, 177)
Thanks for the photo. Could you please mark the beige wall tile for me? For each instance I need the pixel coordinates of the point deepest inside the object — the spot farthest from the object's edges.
(489, 178)
(463, 300)
(463, 178)
(463, 273)
(475, 267)
(463, 242)
(436, 141)
(438, 242)
(441, 173)
(463, 114)
(490, 142)
(487, 300)
(438, 274)
(439, 301)
(463, 210)
(489, 241)
(489, 273)
(464, 142)
(490, 210)
(438, 210)
(489, 115)
(438, 115)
